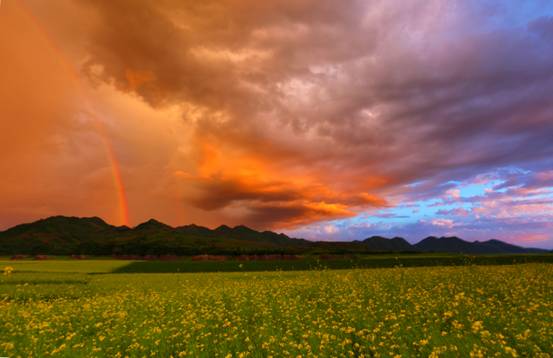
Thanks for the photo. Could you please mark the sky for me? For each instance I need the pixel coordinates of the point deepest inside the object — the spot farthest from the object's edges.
(328, 120)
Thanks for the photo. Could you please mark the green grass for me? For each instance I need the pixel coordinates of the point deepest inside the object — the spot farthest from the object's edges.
(314, 263)
(418, 311)
(83, 266)
(305, 263)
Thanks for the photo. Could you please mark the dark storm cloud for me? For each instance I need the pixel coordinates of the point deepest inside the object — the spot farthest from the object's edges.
(325, 104)
(388, 89)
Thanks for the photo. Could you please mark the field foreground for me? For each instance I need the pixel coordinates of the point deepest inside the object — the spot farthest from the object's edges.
(431, 311)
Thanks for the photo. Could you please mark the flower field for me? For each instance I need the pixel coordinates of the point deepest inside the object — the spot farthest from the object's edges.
(476, 311)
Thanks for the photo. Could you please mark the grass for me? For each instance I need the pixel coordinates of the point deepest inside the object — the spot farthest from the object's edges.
(314, 263)
(418, 311)
(106, 265)
(83, 266)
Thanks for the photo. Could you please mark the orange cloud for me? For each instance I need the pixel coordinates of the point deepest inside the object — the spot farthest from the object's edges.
(262, 189)
(137, 78)
(207, 168)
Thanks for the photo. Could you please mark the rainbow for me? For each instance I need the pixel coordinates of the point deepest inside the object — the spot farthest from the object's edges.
(117, 178)
(76, 79)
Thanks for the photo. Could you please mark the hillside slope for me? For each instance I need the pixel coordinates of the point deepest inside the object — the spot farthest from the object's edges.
(61, 235)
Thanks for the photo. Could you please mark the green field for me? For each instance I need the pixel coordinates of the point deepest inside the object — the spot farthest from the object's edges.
(307, 262)
(314, 263)
(83, 309)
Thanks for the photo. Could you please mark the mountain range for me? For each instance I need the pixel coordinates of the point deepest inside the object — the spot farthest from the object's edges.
(62, 235)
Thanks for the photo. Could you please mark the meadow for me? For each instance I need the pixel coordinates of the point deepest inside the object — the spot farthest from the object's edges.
(93, 309)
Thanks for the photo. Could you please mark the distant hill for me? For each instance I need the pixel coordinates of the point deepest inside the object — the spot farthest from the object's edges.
(455, 244)
(379, 243)
(61, 235)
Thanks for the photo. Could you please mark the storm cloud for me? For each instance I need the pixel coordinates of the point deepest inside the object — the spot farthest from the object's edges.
(286, 114)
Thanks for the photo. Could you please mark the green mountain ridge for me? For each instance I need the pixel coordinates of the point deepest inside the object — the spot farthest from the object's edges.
(62, 235)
